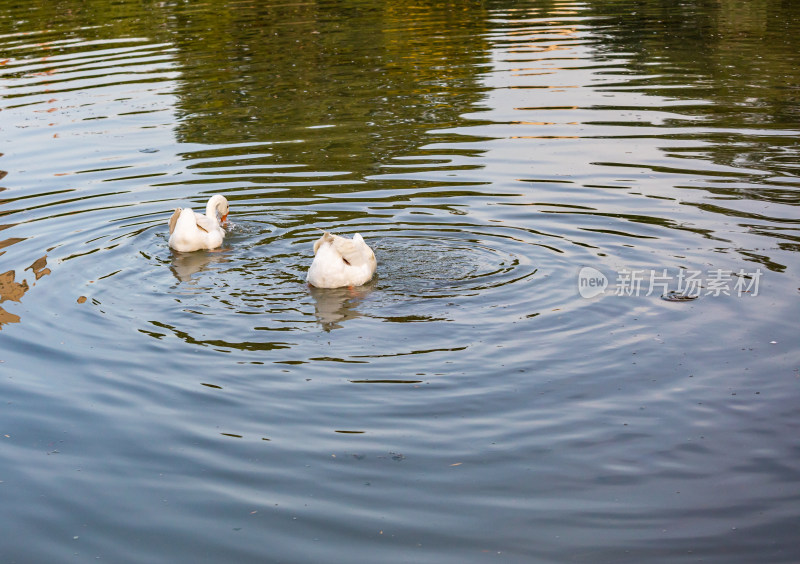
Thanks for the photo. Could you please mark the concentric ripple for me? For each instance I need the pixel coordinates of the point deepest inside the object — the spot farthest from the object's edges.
(251, 294)
(453, 263)
(469, 403)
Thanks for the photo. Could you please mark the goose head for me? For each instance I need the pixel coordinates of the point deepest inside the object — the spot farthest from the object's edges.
(217, 204)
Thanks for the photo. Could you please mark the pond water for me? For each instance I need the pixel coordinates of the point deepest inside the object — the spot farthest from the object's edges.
(536, 177)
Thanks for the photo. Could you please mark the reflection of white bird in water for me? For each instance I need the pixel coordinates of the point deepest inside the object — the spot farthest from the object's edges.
(190, 231)
(185, 265)
(339, 261)
(334, 306)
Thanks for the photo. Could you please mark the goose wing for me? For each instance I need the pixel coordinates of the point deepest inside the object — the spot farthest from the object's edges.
(204, 223)
(350, 250)
(174, 219)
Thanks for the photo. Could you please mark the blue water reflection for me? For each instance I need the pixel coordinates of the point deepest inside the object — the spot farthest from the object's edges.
(469, 403)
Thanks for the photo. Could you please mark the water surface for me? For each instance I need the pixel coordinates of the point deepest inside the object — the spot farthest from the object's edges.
(469, 403)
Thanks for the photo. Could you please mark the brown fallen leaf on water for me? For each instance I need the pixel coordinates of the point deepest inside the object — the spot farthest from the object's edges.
(82, 299)
(10, 289)
(39, 267)
(6, 317)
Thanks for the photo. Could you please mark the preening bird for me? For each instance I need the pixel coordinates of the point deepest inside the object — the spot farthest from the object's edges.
(191, 231)
(339, 261)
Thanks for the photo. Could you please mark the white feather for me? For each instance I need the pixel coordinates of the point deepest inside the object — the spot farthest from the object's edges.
(190, 231)
(339, 261)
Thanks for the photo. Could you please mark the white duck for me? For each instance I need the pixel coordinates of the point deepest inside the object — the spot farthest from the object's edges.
(190, 231)
(339, 261)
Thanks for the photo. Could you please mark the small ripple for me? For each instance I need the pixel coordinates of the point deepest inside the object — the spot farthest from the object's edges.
(451, 262)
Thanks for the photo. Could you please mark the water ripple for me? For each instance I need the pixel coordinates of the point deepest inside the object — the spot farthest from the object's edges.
(467, 401)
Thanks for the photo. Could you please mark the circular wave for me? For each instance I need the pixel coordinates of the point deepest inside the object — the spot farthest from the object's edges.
(251, 294)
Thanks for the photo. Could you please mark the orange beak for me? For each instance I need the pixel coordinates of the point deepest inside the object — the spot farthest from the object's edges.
(224, 218)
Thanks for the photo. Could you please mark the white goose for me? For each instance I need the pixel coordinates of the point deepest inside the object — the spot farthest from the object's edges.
(190, 231)
(339, 261)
